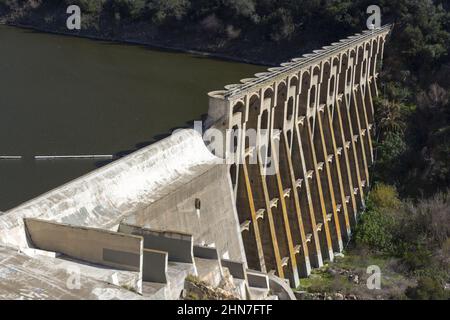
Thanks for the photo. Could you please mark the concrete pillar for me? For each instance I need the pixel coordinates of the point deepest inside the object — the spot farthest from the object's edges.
(346, 163)
(276, 192)
(330, 152)
(283, 123)
(293, 204)
(351, 139)
(247, 214)
(356, 106)
(324, 158)
(303, 189)
(313, 170)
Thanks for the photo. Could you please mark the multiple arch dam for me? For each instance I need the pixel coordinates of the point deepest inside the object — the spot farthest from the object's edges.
(319, 110)
(268, 208)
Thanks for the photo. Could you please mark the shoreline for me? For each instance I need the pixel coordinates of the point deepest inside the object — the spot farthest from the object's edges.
(154, 45)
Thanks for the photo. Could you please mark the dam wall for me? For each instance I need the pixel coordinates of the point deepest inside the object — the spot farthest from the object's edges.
(314, 120)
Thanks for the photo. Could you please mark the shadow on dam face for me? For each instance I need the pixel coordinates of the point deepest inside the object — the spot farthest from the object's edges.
(64, 95)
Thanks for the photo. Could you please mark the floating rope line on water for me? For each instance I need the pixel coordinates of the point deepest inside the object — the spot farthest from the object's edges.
(88, 156)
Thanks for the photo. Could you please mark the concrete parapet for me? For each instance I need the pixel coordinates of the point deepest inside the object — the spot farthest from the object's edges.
(179, 246)
(117, 250)
(155, 264)
(206, 252)
(280, 288)
(257, 279)
(237, 269)
(208, 264)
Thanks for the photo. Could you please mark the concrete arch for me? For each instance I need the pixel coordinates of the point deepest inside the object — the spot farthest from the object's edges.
(281, 93)
(278, 115)
(290, 109)
(239, 112)
(353, 53)
(316, 70)
(325, 83)
(254, 110)
(293, 79)
(268, 90)
(374, 46)
(312, 102)
(280, 81)
(306, 79)
(292, 102)
(239, 106)
(303, 95)
(268, 95)
(361, 51)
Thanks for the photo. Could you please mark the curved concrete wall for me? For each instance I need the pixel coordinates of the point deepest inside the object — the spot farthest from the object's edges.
(216, 222)
(107, 195)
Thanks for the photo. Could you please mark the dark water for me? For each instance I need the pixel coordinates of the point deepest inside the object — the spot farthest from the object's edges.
(62, 95)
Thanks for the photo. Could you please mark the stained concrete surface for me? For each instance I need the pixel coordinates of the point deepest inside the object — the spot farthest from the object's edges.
(24, 278)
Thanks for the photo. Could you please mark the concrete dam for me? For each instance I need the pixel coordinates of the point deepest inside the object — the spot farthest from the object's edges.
(268, 188)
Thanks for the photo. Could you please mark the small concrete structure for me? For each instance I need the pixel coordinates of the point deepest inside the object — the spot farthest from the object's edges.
(179, 246)
(237, 269)
(103, 247)
(155, 266)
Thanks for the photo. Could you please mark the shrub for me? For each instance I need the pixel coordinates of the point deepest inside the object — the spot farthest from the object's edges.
(127, 8)
(385, 197)
(91, 6)
(428, 219)
(376, 228)
(427, 288)
(165, 10)
(374, 231)
(390, 152)
(416, 258)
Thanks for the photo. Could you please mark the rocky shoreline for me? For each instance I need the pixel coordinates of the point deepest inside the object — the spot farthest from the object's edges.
(249, 46)
(153, 45)
(191, 40)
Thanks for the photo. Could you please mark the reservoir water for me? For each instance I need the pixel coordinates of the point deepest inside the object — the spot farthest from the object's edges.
(63, 95)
